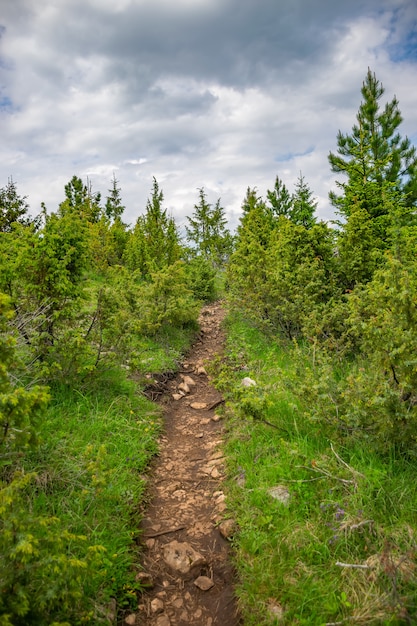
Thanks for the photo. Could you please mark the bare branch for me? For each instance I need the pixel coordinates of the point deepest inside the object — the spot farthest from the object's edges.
(345, 481)
(353, 565)
(345, 464)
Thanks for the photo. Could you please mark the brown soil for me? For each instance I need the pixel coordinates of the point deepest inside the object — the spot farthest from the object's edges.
(188, 504)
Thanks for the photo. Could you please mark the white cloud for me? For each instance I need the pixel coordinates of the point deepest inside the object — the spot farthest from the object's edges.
(223, 95)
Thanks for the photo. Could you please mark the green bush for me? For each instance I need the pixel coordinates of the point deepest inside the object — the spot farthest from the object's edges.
(166, 301)
(202, 279)
(44, 568)
(41, 570)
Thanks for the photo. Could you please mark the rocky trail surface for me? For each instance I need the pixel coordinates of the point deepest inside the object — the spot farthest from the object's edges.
(185, 529)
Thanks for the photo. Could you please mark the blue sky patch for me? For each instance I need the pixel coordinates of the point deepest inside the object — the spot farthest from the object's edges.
(5, 103)
(288, 156)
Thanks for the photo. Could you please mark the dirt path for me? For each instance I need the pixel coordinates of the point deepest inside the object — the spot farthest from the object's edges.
(186, 556)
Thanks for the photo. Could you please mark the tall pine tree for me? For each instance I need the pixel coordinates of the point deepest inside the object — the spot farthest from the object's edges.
(207, 231)
(303, 204)
(154, 243)
(279, 198)
(13, 208)
(114, 206)
(373, 155)
(81, 198)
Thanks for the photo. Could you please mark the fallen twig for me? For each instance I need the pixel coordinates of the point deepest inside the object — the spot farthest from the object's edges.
(353, 565)
(216, 404)
(264, 421)
(345, 481)
(164, 532)
(302, 480)
(360, 524)
(345, 464)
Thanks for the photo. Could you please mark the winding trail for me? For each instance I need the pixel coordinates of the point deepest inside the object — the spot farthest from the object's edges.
(186, 557)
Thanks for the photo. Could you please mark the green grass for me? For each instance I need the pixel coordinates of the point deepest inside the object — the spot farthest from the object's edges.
(347, 504)
(95, 443)
(163, 352)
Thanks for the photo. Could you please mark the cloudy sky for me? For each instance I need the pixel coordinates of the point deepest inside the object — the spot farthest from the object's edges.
(220, 94)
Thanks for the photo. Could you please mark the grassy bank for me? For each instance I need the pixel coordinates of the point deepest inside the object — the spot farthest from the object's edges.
(335, 542)
(85, 485)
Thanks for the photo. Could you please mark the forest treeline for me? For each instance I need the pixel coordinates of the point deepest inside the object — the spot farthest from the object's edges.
(347, 290)
(79, 287)
(322, 449)
(87, 304)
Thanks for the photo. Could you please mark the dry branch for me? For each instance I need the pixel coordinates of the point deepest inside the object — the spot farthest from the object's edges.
(353, 565)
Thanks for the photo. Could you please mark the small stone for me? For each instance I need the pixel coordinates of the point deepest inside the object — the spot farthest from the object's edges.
(173, 487)
(163, 620)
(241, 479)
(181, 556)
(111, 611)
(215, 473)
(198, 613)
(204, 583)
(199, 436)
(201, 370)
(227, 528)
(157, 606)
(220, 498)
(150, 543)
(177, 396)
(248, 382)
(217, 460)
(189, 381)
(205, 421)
(216, 418)
(198, 405)
(280, 493)
(145, 579)
(130, 619)
(184, 387)
(178, 602)
(275, 609)
(179, 494)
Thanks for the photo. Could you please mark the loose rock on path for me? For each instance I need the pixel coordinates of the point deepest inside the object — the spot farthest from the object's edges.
(186, 558)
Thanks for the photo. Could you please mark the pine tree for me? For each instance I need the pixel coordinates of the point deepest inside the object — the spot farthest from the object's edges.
(280, 199)
(303, 204)
(80, 198)
(161, 234)
(207, 231)
(114, 207)
(374, 154)
(250, 201)
(13, 208)
(299, 275)
(247, 268)
(154, 243)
